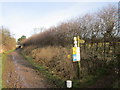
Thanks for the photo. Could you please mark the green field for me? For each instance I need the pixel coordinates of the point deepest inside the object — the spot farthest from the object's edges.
(0, 71)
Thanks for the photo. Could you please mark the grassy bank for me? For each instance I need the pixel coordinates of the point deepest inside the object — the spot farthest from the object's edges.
(0, 71)
(3, 58)
(59, 82)
(44, 70)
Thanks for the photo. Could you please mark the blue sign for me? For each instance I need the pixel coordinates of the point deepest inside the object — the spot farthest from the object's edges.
(74, 57)
(76, 54)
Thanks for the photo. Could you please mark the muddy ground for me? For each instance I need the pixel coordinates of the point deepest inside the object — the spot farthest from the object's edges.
(19, 73)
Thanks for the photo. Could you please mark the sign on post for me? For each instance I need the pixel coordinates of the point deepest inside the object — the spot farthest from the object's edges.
(76, 54)
(76, 48)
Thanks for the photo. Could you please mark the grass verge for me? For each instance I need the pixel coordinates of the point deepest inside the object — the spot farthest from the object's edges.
(0, 71)
(3, 57)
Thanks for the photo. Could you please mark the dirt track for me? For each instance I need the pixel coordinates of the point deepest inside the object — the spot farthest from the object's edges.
(19, 73)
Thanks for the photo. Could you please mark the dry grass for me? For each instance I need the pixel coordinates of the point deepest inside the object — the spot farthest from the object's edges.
(55, 58)
(57, 61)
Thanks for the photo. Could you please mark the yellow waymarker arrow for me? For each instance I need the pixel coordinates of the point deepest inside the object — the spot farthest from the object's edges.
(82, 41)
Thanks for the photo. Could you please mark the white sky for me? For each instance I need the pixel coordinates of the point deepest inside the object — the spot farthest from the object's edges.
(22, 17)
(59, 0)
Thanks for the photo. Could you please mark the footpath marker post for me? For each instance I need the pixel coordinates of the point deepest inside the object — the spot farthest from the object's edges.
(76, 53)
(79, 64)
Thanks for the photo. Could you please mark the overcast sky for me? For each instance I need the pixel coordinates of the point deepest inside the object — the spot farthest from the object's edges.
(22, 17)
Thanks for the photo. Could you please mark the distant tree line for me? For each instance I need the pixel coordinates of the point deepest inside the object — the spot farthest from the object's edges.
(7, 41)
(21, 39)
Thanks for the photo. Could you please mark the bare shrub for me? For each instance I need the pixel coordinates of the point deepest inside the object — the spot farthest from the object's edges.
(55, 58)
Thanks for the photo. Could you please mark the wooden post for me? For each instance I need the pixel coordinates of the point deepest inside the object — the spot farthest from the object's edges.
(79, 65)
